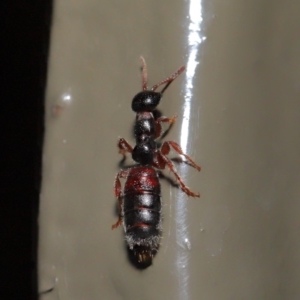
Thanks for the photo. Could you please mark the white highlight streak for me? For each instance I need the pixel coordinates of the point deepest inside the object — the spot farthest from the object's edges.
(182, 231)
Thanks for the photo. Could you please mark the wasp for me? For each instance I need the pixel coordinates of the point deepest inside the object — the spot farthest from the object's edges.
(140, 202)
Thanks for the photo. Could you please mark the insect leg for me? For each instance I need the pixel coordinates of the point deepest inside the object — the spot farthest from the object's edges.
(162, 161)
(163, 119)
(165, 149)
(124, 146)
(118, 194)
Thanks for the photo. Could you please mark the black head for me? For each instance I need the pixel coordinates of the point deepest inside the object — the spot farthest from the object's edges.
(145, 101)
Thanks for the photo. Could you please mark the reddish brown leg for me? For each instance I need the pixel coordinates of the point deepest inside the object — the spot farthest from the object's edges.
(166, 120)
(165, 149)
(162, 161)
(124, 146)
(163, 120)
(118, 194)
(144, 74)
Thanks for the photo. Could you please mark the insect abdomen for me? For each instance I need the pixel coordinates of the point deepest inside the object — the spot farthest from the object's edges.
(142, 211)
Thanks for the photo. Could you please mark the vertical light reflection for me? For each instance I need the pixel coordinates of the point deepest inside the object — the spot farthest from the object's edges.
(194, 39)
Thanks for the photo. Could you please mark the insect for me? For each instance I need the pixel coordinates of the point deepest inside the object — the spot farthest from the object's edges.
(140, 201)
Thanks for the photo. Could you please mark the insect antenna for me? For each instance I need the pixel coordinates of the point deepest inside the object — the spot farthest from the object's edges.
(144, 74)
(168, 80)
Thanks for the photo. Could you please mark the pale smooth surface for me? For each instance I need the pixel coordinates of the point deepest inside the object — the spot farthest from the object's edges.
(238, 117)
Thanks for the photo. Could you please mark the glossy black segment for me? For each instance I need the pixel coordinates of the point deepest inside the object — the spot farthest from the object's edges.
(144, 126)
(151, 201)
(143, 153)
(145, 101)
(145, 216)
